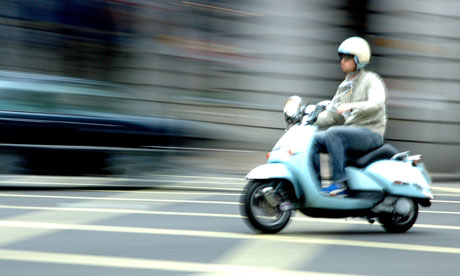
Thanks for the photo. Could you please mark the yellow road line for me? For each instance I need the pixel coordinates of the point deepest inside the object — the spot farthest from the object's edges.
(123, 199)
(446, 201)
(447, 189)
(296, 239)
(137, 263)
(451, 195)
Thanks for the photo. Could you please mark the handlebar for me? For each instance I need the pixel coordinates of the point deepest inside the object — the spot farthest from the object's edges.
(313, 116)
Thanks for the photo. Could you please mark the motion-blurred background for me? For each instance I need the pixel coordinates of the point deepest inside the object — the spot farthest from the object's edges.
(218, 72)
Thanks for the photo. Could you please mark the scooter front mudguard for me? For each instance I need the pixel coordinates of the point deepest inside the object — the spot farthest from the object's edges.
(275, 171)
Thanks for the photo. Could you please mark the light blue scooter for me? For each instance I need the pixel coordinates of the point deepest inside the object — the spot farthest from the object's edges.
(382, 184)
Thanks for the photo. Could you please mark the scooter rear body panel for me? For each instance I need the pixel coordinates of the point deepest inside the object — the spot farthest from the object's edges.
(400, 178)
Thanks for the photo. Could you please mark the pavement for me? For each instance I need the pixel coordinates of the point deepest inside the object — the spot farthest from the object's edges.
(211, 162)
(240, 162)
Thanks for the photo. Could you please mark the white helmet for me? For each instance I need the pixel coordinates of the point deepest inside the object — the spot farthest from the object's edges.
(359, 48)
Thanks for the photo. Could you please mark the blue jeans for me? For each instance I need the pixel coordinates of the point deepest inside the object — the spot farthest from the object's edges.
(338, 141)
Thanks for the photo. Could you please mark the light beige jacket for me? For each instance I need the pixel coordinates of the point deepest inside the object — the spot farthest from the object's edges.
(367, 93)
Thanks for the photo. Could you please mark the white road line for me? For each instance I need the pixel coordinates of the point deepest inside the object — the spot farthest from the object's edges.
(151, 212)
(150, 200)
(201, 193)
(353, 221)
(261, 253)
(136, 263)
(117, 211)
(169, 187)
(123, 199)
(441, 212)
(241, 179)
(89, 216)
(198, 188)
(11, 181)
(234, 216)
(201, 177)
(296, 239)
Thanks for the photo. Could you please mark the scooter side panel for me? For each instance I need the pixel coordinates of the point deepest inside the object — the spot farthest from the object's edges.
(400, 178)
(360, 181)
(338, 203)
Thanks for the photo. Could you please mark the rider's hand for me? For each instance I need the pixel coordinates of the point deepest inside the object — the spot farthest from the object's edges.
(324, 103)
(344, 108)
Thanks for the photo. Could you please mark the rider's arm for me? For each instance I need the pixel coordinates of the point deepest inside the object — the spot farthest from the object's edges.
(327, 119)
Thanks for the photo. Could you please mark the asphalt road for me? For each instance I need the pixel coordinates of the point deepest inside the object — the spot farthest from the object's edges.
(189, 224)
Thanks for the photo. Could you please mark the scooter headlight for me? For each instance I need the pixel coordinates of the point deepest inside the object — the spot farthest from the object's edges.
(292, 110)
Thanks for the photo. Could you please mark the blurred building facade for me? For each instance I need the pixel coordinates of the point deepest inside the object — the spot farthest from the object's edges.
(235, 62)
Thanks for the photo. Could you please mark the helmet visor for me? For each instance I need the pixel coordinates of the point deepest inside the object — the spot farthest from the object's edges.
(347, 57)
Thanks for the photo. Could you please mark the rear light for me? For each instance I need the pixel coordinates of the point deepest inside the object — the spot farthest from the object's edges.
(428, 194)
(415, 159)
(268, 155)
(402, 183)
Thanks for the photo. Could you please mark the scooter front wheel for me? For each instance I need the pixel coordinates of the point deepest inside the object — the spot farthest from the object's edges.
(403, 220)
(258, 212)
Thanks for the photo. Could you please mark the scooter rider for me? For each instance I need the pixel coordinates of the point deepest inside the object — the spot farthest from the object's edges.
(355, 119)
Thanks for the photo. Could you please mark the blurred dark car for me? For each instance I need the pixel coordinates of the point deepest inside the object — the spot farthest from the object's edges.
(57, 125)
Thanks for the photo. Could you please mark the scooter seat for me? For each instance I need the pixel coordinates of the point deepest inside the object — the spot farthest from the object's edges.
(357, 159)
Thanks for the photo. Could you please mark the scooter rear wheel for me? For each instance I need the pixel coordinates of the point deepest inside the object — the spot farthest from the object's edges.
(400, 223)
(257, 211)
